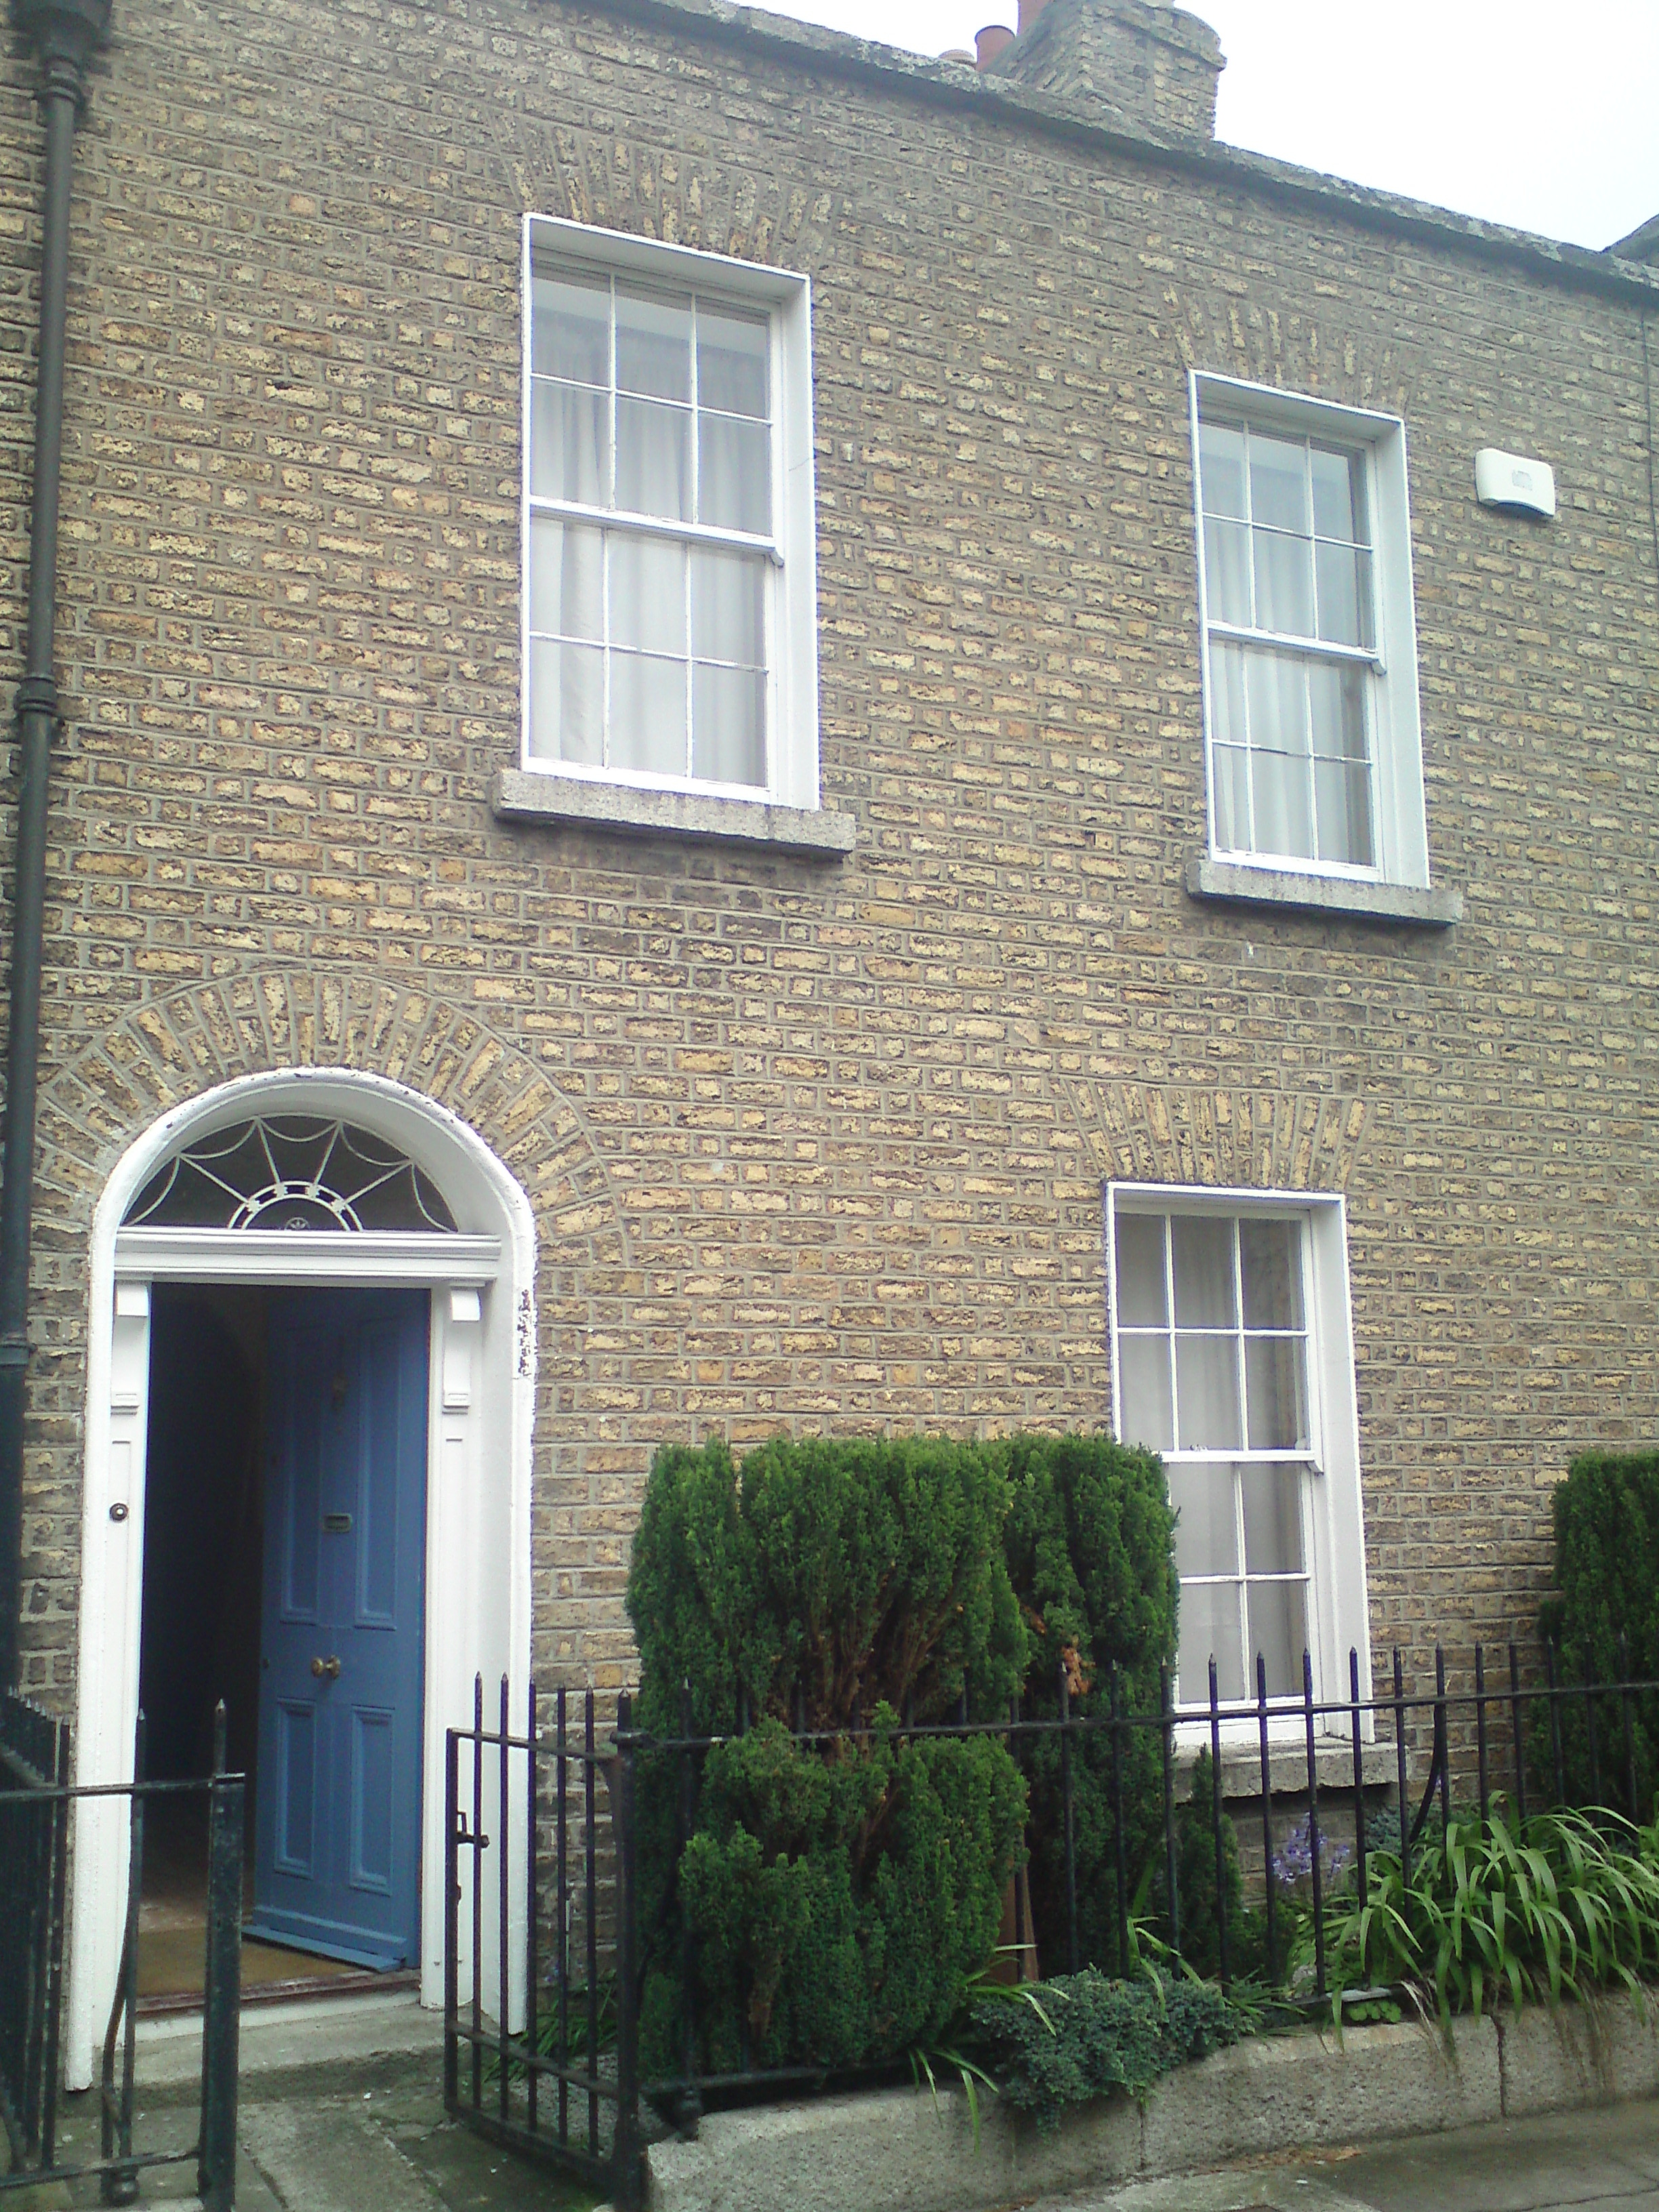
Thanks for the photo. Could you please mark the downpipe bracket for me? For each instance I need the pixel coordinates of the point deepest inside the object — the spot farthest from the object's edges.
(37, 694)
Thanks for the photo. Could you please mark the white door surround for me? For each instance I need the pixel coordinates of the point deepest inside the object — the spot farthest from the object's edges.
(482, 1369)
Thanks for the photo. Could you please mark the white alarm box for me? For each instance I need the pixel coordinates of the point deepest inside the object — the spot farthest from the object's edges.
(1514, 482)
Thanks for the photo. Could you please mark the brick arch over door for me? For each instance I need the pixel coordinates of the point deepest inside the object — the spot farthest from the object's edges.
(171, 1050)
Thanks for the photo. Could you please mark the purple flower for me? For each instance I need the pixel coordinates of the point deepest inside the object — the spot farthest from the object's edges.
(1292, 1862)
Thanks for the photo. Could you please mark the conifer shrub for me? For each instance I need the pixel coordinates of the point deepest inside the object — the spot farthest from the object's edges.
(839, 1905)
(1202, 1900)
(837, 1891)
(846, 1572)
(1606, 1587)
(1091, 1545)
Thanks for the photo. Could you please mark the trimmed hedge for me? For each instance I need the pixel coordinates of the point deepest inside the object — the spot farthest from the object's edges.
(1090, 1544)
(1607, 1583)
(839, 1905)
(853, 1572)
(836, 1897)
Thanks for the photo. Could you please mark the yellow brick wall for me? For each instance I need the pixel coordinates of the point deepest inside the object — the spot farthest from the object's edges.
(820, 1144)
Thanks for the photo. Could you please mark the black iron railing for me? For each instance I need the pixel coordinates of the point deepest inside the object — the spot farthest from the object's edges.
(544, 2053)
(34, 1812)
(34, 1767)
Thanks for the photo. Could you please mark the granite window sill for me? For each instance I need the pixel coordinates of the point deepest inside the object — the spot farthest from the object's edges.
(1287, 1766)
(1334, 896)
(574, 802)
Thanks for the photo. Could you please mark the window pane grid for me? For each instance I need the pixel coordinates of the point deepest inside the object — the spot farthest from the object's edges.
(1196, 1384)
(1292, 633)
(1233, 1426)
(1234, 1618)
(665, 675)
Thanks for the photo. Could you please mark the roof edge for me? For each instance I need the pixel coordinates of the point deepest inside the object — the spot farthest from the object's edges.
(959, 85)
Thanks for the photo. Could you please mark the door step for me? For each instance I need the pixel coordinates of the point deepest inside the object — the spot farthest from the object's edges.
(166, 2003)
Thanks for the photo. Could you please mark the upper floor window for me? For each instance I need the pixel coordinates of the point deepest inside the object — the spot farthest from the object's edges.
(1310, 642)
(670, 605)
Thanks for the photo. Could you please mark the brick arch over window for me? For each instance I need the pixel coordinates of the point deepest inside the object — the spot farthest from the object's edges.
(1233, 1139)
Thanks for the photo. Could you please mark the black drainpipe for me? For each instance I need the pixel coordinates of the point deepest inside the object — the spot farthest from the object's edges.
(64, 35)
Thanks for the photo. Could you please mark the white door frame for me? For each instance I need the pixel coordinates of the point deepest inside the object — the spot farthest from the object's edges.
(482, 1384)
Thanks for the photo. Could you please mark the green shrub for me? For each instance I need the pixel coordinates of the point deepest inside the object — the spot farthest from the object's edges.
(1092, 2035)
(855, 1571)
(1195, 1880)
(1540, 1908)
(1090, 1541)
(838, 1905)
(838, 1893)
(1607, 1586)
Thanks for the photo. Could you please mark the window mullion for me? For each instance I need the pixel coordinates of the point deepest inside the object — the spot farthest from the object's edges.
(1237, 1333)
(1249, 521)
(688, 735)
(604, 633)
(611, 412)
(1169, 1329)
(1237, 1472)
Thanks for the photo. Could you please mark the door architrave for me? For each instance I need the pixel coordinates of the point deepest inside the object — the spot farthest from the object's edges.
(482, 1369)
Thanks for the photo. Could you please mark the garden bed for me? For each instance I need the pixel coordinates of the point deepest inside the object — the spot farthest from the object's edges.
(901, 2150)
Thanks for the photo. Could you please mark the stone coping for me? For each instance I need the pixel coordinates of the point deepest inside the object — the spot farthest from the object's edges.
(902, 2150)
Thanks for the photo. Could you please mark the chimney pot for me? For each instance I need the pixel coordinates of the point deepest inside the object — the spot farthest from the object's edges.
(1029, 12)
(990, 42)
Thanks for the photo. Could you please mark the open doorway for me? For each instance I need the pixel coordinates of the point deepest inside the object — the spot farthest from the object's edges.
(283, 1574)
(331, 1181)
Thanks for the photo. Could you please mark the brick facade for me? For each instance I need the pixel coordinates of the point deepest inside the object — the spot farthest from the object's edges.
(820, 1144)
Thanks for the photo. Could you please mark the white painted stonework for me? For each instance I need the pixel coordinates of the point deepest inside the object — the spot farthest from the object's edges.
(481, 1373)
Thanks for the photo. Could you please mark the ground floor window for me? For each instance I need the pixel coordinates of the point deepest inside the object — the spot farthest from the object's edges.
(1232, 1357)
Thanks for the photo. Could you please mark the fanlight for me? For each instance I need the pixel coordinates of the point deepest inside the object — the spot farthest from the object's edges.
(290, 1172)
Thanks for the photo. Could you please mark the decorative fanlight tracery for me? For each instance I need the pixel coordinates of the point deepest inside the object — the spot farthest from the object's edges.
(290, 1172)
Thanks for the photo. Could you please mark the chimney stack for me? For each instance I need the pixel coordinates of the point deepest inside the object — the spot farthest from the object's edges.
(1142, 64)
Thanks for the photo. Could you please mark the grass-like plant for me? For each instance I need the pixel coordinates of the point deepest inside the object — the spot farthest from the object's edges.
(1563, 1904)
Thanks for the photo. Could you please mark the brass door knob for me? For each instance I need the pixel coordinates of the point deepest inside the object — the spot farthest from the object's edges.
(327, 1668)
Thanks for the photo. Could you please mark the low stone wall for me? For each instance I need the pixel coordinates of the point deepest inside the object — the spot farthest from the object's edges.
(899, 2150)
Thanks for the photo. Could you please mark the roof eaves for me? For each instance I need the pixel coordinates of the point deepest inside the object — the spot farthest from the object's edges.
(959, 85)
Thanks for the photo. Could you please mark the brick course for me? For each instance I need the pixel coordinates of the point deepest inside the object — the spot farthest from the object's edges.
(821, 1145)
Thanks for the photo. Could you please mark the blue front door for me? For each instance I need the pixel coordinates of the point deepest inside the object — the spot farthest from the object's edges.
(337, 1820)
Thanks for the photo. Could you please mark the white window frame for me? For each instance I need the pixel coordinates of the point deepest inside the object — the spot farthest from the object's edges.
(1334, 1533)
(791, 548)
(1393, 710)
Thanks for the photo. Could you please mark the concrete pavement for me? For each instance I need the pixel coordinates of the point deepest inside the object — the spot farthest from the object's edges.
(341, 2110)
(1605, 2159)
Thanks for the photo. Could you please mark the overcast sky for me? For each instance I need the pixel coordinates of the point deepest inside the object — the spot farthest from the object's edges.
(1543, 114)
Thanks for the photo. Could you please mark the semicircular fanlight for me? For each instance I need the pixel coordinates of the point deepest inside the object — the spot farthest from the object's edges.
(290, 1172)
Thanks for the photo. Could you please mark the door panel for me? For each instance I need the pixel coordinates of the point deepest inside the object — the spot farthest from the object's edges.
(374, 1753)
(338, 1822)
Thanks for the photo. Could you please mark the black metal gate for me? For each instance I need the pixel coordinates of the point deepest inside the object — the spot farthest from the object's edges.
(36, 1798)
(564, 2085)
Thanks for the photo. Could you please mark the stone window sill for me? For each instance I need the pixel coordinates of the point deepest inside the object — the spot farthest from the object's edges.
(814, 832)
(1329, 895)
(1287, 1766)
